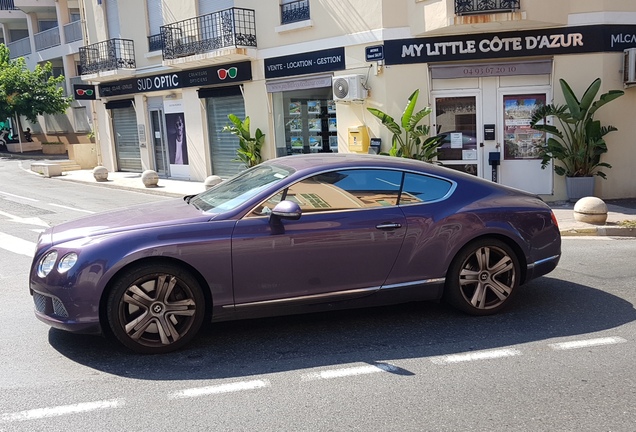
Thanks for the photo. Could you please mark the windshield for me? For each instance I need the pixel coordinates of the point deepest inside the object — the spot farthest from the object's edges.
(231, 193)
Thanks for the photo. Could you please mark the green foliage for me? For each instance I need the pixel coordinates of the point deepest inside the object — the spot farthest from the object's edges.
(249, 151)
(410, 140)
(29, 93)
(577, 141)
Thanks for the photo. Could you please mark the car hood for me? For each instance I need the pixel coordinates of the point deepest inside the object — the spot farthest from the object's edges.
(170, 212)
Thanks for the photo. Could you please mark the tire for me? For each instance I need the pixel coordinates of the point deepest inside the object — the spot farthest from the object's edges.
(483, 278)
(155, 309)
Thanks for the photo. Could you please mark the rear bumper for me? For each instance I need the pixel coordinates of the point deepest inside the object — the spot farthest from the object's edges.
(542, 267)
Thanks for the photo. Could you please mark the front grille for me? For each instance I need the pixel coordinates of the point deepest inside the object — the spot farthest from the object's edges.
(40, 302)
(59, 309)
(49, 305)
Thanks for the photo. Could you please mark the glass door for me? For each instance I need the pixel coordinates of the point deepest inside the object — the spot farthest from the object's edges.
(159, 147)
(456, 120)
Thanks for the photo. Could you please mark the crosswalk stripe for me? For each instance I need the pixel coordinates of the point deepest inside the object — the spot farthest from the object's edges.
(16, 245)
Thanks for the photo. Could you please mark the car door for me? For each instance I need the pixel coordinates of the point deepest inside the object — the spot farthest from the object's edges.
(344, 244)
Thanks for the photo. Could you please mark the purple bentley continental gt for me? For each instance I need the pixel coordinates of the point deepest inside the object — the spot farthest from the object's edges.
(293, 235)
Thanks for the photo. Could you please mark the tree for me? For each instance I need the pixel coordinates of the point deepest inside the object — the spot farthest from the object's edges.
(29, 93)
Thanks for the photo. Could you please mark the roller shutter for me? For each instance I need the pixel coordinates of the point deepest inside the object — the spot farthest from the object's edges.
(126, 139)
(223, 145)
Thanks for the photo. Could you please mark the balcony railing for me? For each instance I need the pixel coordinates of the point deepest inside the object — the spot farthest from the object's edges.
(19, 48)
(472, 7)
(155, 43)
(294, 11)
(47, 39)
(7, 5)
(108, 55)
(73, 32)
(232, 27)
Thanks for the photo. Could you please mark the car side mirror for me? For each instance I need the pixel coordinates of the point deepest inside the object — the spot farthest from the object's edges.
(287, 210)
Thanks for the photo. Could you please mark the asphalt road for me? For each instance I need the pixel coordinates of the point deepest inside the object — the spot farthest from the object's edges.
(561, 359)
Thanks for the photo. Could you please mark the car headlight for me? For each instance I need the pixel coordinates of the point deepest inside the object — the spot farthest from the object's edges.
(47, 263)
(67, 262)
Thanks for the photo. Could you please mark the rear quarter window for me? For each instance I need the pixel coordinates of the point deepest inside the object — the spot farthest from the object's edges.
(421, 188)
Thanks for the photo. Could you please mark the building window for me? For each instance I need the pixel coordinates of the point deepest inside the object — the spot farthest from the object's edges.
(293, 11)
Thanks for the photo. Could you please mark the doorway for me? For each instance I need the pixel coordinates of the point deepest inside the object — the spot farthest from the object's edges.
(486, 126)
(159, 143)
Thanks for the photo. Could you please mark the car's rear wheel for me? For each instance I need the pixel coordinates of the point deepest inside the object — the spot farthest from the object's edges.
(155, 309)
(483, 277)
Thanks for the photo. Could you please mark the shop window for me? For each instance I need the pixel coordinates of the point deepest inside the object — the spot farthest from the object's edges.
(308, 122)
(520, 140)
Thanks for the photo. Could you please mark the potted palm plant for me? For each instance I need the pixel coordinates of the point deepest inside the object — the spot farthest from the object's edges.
(576, 140)
(412, 142)
(249, 150)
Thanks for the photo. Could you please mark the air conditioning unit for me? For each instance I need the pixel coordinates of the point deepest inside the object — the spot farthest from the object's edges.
(629, 67)
(349, 88)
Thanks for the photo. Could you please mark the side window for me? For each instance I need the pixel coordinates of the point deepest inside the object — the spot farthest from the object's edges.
(421, 188)
(340, 190)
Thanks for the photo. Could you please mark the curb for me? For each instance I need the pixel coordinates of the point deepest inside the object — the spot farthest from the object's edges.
(602, 231)
(151, 191)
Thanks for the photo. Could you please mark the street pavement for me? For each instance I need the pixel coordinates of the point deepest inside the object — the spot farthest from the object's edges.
(618, 210)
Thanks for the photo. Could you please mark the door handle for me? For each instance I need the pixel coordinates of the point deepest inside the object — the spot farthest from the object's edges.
(388, 226)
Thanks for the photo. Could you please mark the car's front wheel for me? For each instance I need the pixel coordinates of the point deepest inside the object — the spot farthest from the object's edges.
(155, 309)
(483, 277)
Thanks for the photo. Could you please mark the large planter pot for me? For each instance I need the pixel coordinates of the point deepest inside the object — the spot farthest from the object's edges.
(579, 187)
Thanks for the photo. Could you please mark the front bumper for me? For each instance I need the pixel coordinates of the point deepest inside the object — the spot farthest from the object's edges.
(52, 311)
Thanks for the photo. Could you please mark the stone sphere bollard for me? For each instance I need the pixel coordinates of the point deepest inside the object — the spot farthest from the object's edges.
(212, 180)
(591, 210)
(100, 173)
(150, 178)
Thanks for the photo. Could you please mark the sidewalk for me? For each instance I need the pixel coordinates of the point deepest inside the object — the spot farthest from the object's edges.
(618, 210)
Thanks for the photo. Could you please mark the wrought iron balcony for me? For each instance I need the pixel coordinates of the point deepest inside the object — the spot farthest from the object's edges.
(294, 11)
(109, 55)
(234, 27)
(473, 7)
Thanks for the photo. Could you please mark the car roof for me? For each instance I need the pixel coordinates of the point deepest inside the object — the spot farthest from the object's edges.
(305, 164)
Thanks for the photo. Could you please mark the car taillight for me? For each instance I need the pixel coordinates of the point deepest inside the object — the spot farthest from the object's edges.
(554, 219)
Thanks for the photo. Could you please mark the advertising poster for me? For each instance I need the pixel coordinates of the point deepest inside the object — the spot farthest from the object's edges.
(520, 140)
(177, 139)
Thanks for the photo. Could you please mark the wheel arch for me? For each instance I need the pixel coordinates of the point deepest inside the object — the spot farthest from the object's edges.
(207, 293)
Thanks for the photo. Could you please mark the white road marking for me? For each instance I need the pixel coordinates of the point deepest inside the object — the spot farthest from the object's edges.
(218, 389)
(16, 245)
(71, 208)
(29, 221)
(345, 372)
(41, 413)
(18, 196)
(587, 343)
(478, 355)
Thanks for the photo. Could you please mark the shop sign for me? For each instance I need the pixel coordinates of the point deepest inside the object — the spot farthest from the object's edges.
(567, 40)
(305, 63)
(84, 92)
(374, 53)
(224, 74)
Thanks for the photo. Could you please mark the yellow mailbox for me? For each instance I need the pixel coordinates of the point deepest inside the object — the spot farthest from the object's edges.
(359, 139)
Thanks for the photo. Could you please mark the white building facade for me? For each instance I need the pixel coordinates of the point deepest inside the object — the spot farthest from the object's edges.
(168, 72)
